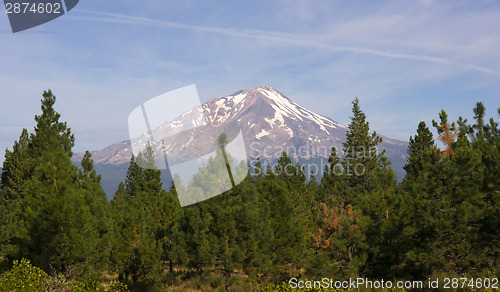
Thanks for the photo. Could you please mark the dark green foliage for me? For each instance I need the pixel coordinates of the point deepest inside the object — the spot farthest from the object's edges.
(169, 231)
(96, 201)
(56, 213)
(50, 134)
(287, 239)
(453, 226)
(361, 157)
(253, 227)
(15, 168)
(14, 176)
(61, 210)
(479, 112)
(136, 248)
(336, 240)
(418, 149)
(365, 185)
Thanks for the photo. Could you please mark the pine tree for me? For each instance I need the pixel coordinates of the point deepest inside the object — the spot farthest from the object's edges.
(49, 133)
(336, 241)
(49, 216)
(418, 230)
(134, 177)
(223, 232)
(418, 148)
(62, 234)
(287, 241)
(361, 156)
(447, 230)
(479, 113)
(195, 225)
(252, 215)
(337, 236)
(447, 133)
(333, 180)
(370, 189)
(95, 198)
(257, 172)
(15, 167)
(14, 176)
(122, 222)
(486, 140)
(169, 231)
(294, 178)
(138, 214)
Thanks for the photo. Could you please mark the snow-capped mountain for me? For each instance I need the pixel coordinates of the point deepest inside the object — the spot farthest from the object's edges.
(270, 123)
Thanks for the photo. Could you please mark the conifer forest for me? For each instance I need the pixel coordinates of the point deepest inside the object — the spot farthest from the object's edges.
(278, 230)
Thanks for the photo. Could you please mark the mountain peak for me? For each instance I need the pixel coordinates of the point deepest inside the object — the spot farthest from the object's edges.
(266, 87)
(268, 120)
(269, 90)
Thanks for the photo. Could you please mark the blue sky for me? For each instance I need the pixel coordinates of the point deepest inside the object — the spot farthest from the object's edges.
(405, 60)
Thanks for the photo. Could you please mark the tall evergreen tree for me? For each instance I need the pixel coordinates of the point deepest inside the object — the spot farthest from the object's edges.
(287, 241)
(447, 230)
(370, 189)
(294, 178)
(97, 202)
(418, 148)
(50, 134)
(15, 167)
(169, 230)
(62, 234)
(333, 179)
(418, 230)
(361, 156)
(479, 113)
(14, 176)
(139, 221)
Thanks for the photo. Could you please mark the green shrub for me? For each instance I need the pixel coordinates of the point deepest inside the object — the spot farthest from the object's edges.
(285, 287)
(117, 286)
(216, 282)
(24, 277)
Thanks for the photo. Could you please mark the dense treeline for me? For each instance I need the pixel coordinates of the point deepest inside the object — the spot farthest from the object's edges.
(443, 219)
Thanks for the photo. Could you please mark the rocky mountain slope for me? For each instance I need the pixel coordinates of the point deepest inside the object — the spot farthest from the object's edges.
(270, 123)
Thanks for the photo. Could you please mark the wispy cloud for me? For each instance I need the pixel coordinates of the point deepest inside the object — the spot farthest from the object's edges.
(405, 60)
(298, 40)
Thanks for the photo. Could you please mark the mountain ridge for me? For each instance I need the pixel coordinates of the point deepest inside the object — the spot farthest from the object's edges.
(269, 122)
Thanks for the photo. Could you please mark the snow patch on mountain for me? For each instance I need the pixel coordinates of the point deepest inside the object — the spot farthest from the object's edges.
(238, 98)
(284, 107)
(262, 134)
(294, 111)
